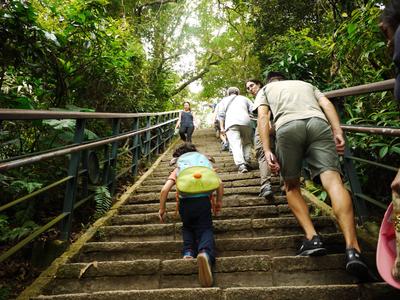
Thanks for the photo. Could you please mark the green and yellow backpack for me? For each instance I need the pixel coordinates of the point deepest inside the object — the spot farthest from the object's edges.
(195, 176)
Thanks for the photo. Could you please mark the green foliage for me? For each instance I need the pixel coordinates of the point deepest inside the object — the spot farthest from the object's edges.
(19, 186)
(4, 292)
(9, 234)
(317, 190)
(103, 201)
(74, 53)
(359, 48)
(300, 56)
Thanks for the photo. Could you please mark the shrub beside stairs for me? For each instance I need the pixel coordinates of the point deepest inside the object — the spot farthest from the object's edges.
(132, 256)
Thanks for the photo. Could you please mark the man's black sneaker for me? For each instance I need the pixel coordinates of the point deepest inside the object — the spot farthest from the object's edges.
(355, 265)
(313, 247)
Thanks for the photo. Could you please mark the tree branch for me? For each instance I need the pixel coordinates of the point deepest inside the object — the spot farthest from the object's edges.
(195, 77)
(159, 2)
(189, 81)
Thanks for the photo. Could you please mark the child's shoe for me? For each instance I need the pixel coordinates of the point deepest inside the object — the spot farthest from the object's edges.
(205, 274)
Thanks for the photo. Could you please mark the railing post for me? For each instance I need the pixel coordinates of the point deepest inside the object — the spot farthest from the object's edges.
(114, 156)
(85, 179)
(164, 131)
(71, 185)
(360, 207)
(106, 166)
(172, 128)
(135, 147)
(147, 143)
(159, 133)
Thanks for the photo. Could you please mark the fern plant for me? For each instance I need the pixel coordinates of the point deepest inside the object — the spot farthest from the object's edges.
(103, 201)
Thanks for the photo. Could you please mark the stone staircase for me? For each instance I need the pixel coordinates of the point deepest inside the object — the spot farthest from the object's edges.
(135, 257)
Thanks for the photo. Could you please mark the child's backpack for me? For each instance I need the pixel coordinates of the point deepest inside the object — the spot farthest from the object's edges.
(195, 175)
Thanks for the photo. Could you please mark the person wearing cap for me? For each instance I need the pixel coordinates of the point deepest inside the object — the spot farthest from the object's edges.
(234, 116)
(307, 127)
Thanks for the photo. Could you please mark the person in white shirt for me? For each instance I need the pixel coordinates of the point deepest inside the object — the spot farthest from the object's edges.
(234, 117)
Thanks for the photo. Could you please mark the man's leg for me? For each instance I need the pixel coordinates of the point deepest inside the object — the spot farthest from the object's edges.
(246, 135)
(235, 143)
(299, 207)
(265, 171)
(342, 206)
(312, 244)
(343, 209)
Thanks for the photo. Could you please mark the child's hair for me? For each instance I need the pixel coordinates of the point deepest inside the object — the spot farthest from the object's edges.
(184, 148)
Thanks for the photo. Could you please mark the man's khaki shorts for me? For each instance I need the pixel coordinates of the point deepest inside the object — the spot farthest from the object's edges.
(309, 139)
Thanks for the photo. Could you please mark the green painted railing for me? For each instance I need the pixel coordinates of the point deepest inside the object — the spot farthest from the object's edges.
(359, 198)
(149, 133)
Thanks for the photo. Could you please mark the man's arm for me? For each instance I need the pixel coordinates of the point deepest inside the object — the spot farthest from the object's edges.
(263, 130)
(333, 118)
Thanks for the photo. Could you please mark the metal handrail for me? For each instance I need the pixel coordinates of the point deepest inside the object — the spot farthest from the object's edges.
(358, 197)
(387, 131)
(26, 114)
(362, 89)
(163, 120)
(71, 149)
(32, 236)
(370, 162)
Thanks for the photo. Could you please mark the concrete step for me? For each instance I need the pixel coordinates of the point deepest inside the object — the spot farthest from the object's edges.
(228, 201)
(371, 291)
(227, 184)
(229, 193)
(251, 212)
(226, 178)
(226, 159)
(222, 228)
(165, 172)
(222, 174)
(220, 164)
(271, 245)
(239, 271)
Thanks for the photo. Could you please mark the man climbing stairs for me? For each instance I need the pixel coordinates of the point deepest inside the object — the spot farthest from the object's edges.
(133, 256)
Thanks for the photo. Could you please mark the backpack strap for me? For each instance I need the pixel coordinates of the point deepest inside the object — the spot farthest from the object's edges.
(229, 104)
